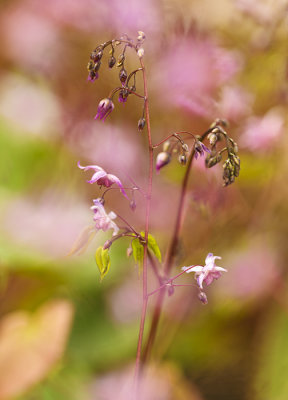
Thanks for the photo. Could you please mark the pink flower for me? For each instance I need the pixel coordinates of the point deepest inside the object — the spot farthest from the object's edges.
(103, 220)
(200, 148)
(102, 178)
(105, 108)
(261, 133)
(206, 273)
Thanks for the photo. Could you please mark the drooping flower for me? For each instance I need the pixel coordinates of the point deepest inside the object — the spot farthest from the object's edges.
(102, 178)
(162, 159)
(200, 148)
(206, 273)
(103, 220)
(105, 108)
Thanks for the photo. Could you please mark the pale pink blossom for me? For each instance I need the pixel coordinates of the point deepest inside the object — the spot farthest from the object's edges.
(261, 133)
(102, 178)
(191, 84)
(103, 221)
(235, 103)
(206, 273)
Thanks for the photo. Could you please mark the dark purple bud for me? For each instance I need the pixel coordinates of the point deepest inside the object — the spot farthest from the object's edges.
(123, 76)
(92, 76)
(90, 65)
(141, 124)
(97, 66)
(123, 95)
(111, 62)
(132, 88)
(96, 55)
(203, 298)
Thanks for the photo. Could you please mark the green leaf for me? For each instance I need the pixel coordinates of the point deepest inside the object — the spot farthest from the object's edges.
(138, 252)
(103, 262)
(153, 246)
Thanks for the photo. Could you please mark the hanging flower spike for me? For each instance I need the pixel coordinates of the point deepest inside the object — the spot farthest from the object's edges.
(206, 273)
(200, 148)
(105, 108)
(102, 178)
(102, 219)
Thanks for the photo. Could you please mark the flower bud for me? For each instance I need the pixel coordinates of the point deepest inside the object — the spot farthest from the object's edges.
(162, 159)
(129, 251)
(141, 36)
(203, 298)
(140, 52)
(213, 138)
(123, 75)
(90, 65)
(185, 147)
(133, 205)
(166, 145)
(141, 124)
(97, 66)
(111, 62)
(107, 244)
(182, 159)
(96, 55)
(123, 95)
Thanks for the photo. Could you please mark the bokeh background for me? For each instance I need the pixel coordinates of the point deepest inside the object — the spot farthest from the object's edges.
(63, 335)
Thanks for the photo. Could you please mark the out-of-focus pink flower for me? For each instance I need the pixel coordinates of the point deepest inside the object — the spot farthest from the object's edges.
(261, 133)
(103, 220)
(102, 178)
(253, 272)
(264, 12)
(35, 116)
(235, 103)
(105, 108)
(191, 84)
(206, 273)
(30, 38)
(53, 224)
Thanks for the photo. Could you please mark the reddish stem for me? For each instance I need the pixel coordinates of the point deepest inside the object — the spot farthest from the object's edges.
(147, 217)
(170, 255)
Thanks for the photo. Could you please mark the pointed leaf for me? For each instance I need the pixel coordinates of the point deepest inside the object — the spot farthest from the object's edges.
(103, 262)
(138, 252)
(153, 246)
